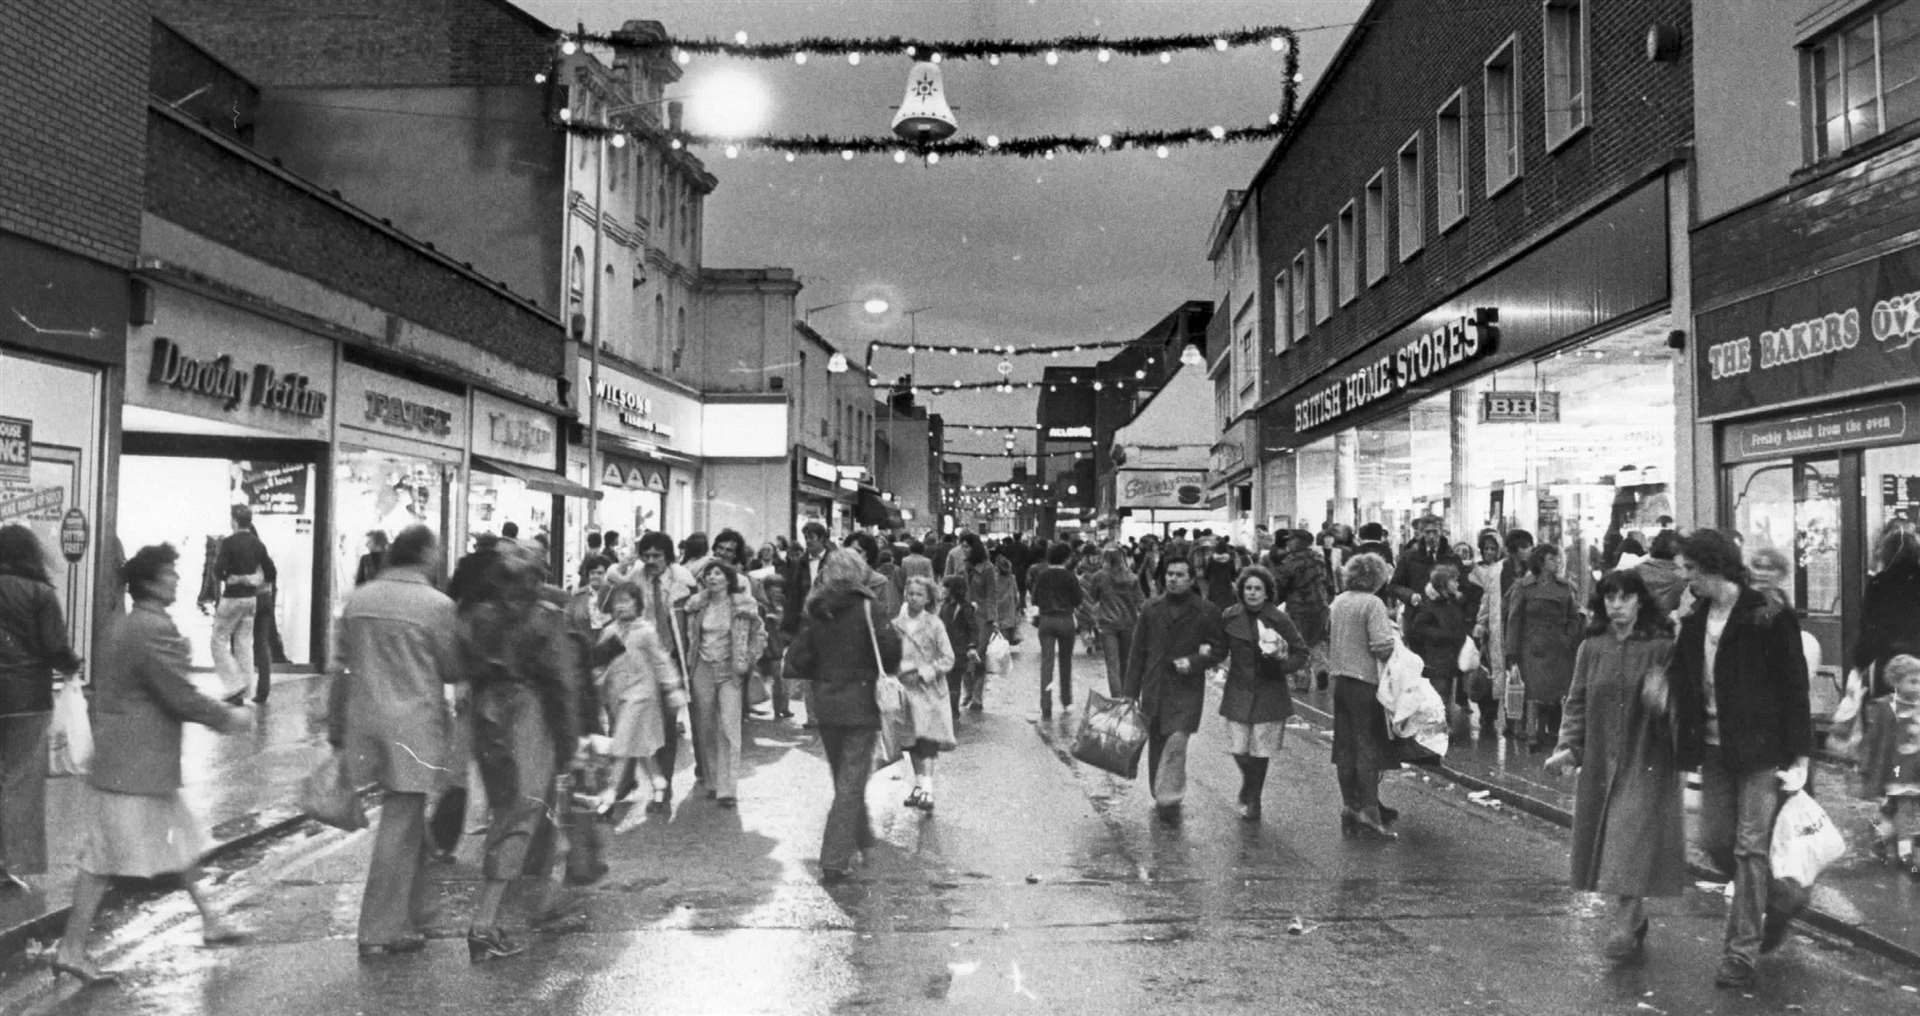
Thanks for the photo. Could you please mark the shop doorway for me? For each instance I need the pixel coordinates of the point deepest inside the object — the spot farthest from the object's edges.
(1798, 510)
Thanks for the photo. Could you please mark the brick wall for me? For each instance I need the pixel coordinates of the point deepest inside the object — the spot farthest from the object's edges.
(74, 73)
(226, 194)
(318, 43)
(1412, 57)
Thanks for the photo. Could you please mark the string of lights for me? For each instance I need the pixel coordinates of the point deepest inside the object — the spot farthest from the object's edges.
(1007, 350)
(1276, 37)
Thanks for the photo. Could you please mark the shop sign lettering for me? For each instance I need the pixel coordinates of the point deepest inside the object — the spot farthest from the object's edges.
(1802, 340)
(1163, 489)
(620, 398)
(1882, 423)
(821, 470)
(1520, 407)
(1423, 357)
(16, 449)
(1069, 433)
(221, 380)
(407, 415)
(74, 533)
(519, 433)
(42, 504)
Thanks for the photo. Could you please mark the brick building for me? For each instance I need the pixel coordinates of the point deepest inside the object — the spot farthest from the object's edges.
(71, 136)
(1806, 261)
(1473, 248)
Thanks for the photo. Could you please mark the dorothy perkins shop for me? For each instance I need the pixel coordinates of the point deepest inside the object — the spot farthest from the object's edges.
(1541, 398)
(1813, 391)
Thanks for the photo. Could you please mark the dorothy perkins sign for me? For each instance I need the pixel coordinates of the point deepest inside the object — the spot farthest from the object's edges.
(1459, 341)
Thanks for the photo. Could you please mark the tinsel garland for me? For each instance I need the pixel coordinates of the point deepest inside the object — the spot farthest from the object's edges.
(949, 453)
(1044, 146)
(1009, 350)
(1010, 386)
(1274, 36)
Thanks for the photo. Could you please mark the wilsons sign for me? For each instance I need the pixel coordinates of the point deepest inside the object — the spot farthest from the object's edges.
(1433, 353)
(222, 380)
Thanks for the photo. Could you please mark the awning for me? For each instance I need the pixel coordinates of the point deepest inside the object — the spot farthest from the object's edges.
(544, 480)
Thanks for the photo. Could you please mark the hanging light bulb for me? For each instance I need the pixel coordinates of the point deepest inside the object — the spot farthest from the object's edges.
(1106, 141)
(913, 50)
(1273, 118)
(1104, 55)
(1005, 367)
(1192, 357)
(1220, 45)
(854, 59)
(540, 78)
(683, 57)
(993, 141)
(1279, 43)
(1139, 375)
(933, 57)
(733, 151)
(1160, 150)
(800, 58)
(1166, 58)
(618, 141)
(569, 47)
(740, 38)
(993, 60)
(1097, 386)
(846, 154)
(675, 144)
(837, 363)
(1217, 131)
(899, 156)
(933, 158)
(789, 156)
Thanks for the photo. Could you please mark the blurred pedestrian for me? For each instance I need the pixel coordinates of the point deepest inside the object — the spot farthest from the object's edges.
(834, 649)
(1360, 639)
(1437, 629)
(34, 646)
(373, 560)
(1056, 595)
(664, 589)
(1263, 648)
(394, 653)
(1117, 599)
(1177, 639)
(1305, 587)
(1629, 836)
(135, 823)
(1890, 607)
(1543, 627)
(1740, 672)
(926, 657)
(638, 684)
(958, 614)
(725, 636)
(515, 649)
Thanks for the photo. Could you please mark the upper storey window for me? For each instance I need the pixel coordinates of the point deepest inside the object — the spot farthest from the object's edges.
(1862, 78)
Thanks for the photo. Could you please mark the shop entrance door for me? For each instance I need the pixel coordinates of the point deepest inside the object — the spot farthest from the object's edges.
(1800, 509)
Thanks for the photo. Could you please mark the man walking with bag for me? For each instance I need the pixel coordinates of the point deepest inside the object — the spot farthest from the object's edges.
(1739, 684)
(1178, 637)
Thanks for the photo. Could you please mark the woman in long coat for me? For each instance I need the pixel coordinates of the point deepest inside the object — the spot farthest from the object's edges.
(136, 823)
(1360, 640)
(1629, 838)
(1543, 625)
(926, 655)
(1263, 648)
(834, 648)
(1890, 609)
(33, 647)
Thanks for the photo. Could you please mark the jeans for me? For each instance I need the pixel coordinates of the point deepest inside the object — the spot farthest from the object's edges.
(23, 793)
(850, 754)
(1166, 763)
(266, 645)
(716, 700)
(395, 902)
(233, 642)
(1056, 640)
(1114, 645)
(1736, 831)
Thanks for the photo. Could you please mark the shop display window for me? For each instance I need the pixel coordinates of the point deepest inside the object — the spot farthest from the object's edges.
(388, 491)
(1793, 506)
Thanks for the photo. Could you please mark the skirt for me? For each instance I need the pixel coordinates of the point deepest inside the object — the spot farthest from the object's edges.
(1260, 740)
(638, 727)
(1360, 738)
(139, 835)
(929, 713)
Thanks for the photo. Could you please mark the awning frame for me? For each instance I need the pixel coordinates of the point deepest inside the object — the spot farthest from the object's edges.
(546, 481)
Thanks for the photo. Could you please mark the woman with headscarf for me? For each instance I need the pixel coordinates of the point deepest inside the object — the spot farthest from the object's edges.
(842, 646)
(33, 647)
(1543, 626)
(516, 651)
(136, 824)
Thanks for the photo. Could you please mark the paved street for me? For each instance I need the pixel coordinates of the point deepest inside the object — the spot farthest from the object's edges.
(1039, 886)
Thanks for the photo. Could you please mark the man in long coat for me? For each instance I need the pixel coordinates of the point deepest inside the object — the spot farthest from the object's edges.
(1178, 637)
(393, 654)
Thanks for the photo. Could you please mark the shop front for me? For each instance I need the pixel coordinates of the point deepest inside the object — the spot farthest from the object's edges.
(646, 458)
(513, 479)
(1541, 399)
(60, 343)
(226, 407)
(1813, 393)
(818, 495)
(399, 452)
(1230, 480)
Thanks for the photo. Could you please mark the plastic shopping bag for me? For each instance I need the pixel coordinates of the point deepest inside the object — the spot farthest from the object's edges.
(327, 795)
(1111, 736)
(1416, 714)
(1469, 660)
(999, 656)
(70, 734)
(1805, 841)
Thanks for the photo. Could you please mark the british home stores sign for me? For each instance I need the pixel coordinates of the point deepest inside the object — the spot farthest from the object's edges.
(1850, 330)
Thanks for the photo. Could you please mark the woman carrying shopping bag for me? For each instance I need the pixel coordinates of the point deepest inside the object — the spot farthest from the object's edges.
(1263, 649)
(926, 655)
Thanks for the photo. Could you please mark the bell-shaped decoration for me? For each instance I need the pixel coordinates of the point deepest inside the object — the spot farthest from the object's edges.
(924, 115)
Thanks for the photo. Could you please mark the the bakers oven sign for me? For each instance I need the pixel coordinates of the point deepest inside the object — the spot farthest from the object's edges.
(222, 381)
(1437, 351)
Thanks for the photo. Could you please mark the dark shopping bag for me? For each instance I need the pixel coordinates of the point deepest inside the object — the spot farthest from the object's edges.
(580, 828)
(327, 795)
(1411, 752)
(1111, 736)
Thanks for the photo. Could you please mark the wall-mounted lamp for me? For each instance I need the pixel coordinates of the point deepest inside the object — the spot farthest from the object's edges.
(1677, 339)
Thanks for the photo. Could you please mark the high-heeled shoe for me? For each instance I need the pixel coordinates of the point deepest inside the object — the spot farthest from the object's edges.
(88, 976)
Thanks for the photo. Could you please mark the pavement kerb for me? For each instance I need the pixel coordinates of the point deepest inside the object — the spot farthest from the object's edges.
(1829, 924)
(14, 940)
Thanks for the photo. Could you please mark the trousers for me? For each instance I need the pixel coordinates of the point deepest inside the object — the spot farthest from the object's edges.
(717, 699)
(394, 904)
(1166, 763)
(233, 642)
(1056, 643)
(1736, 832)
(850, 754)
(1114, 645)
(23, 793)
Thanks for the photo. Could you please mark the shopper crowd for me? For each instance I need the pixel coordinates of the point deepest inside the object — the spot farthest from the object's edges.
(1678, 653)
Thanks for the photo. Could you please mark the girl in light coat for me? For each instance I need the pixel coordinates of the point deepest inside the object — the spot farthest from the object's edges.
(638, 684)
(926, 657)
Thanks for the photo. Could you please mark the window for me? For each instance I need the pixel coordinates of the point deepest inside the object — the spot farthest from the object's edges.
(1413, 223)
(1283, 335)
(1503, 117)
(1246, 369)
(1565, 30)
(1450, 162)
(1323, 275)
(1375, 210)
(660, 335)
(576, 281)
(1302, 302)
(1222, 404)
(1863, 79)
(800, 401)
(1349, 257)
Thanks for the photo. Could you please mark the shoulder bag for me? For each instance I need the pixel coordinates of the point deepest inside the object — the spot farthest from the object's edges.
(891, 697)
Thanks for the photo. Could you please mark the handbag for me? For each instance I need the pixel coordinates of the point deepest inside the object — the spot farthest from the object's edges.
(70, 733)
(891, 698)
(1111, 736)
(327, 795)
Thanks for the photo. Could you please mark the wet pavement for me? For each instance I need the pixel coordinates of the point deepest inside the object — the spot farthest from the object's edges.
(1037, 886)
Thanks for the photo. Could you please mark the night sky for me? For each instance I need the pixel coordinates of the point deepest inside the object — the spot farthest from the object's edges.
(1001, 250)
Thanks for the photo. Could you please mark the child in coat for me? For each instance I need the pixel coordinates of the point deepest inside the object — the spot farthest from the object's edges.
(1890, 763)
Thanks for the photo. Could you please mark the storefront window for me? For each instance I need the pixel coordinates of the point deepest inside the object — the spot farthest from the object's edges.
(1313, 484)
(1793, 506)
(388, 491)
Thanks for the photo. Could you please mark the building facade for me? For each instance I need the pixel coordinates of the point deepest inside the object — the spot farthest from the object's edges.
(1468, 310)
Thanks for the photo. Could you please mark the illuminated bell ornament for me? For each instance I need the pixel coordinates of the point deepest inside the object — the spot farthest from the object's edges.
(924, 115)
(1005, 367)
